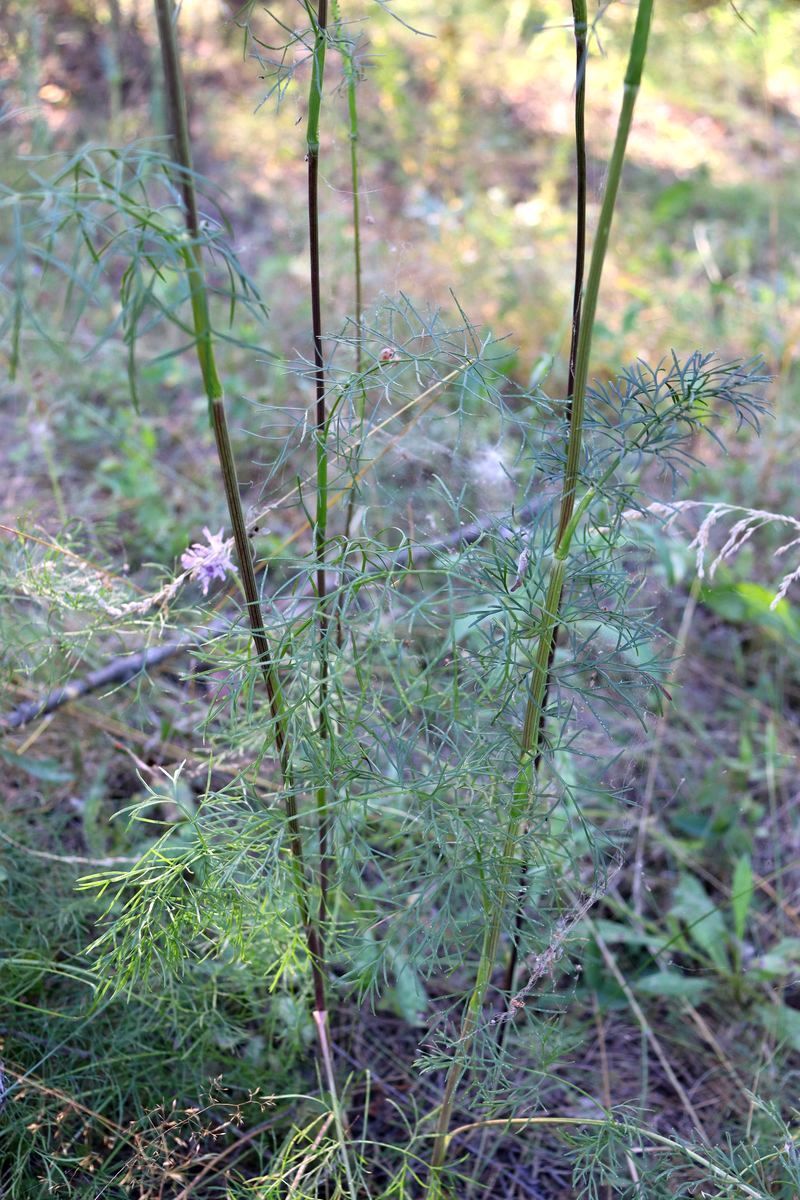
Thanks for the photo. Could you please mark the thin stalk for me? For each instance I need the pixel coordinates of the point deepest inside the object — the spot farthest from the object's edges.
(579, 20)
(320, 25)
(525, 789)
(193, 262)
(633, 78)
(640, 1130)
(346, 49)
(320, 22)
(31, 74)
(53, 474)
(352, 109)
(323, 1033)
(647, 1030)
(114, 67)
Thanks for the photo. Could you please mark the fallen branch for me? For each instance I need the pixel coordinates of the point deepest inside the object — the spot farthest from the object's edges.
(118, 671)
(128, 667)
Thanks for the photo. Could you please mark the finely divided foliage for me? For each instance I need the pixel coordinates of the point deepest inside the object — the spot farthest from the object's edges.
(396, 807)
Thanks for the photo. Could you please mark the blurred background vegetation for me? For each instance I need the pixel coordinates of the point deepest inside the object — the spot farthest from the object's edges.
(466, 163)
(467, 177)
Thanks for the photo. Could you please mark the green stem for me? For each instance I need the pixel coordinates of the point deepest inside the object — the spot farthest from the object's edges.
(351, 76)
(524, 791)
(633, 77)
(352, 80)
(346, 49)
(508, 1123)
(204, 344)
(352, 109)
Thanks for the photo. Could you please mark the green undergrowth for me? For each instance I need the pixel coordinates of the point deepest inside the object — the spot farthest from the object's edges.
(508, 782)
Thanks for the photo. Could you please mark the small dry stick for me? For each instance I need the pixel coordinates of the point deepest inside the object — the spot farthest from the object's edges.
(309, 1158)
(67, 859)
(646, 1028)
(658, 1139)
(128, 667)
(234, 1148)
(118, 671)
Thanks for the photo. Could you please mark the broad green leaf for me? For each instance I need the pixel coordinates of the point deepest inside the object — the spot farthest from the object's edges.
(781, 959)
(704, 921)
(675, 201)
(407, 997)
(741, 894)
(782, 1023)
(751, 604)
(46, 769)
(672, 983)
(616, 934)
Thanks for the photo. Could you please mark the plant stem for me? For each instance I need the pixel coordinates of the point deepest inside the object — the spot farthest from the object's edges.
(354, 183)
(323, 1033)
(579, 17)
(193, 262)
(319, 22)
(320, 26)
(114, 67)
(640, 1130)
(524, 795)
(346, 49)
(633, 77)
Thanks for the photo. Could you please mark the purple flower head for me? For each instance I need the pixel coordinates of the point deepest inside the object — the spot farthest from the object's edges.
(209, 562)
